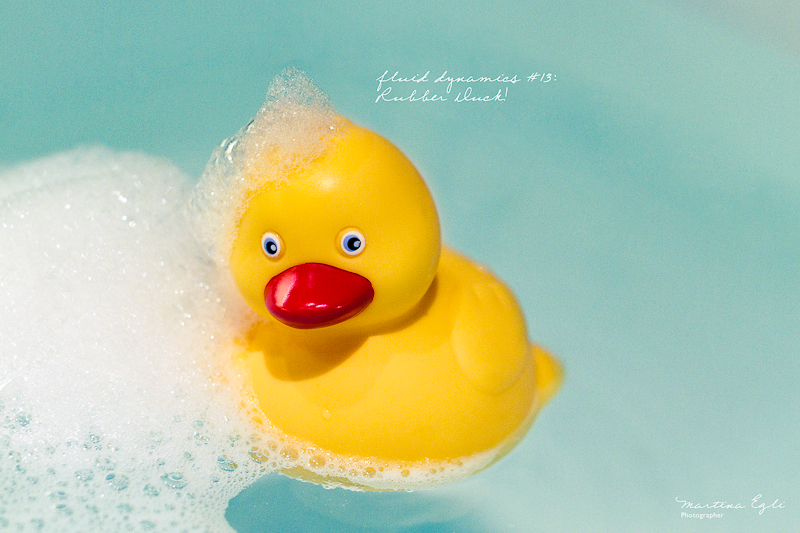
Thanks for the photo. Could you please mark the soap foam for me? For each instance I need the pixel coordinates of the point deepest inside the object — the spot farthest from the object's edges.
(112, 408)
(294, 126)
(276, 450)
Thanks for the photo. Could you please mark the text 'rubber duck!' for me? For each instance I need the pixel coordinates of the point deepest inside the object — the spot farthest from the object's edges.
(378, 358)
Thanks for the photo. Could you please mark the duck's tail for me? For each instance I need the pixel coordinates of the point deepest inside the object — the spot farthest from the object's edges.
(549, 373)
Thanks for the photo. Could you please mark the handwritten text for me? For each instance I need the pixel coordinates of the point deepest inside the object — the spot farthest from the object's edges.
(431, 88)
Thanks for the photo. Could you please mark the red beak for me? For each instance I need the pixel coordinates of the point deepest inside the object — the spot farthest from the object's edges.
(313, 295)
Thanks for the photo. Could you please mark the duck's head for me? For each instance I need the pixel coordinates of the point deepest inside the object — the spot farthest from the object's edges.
(350, 241)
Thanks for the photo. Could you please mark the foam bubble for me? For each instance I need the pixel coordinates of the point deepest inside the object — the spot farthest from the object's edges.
(294, 126)
(303, 460)
(114, 406)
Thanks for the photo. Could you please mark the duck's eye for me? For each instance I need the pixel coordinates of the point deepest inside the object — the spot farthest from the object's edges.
(352, 242)
(271, 244)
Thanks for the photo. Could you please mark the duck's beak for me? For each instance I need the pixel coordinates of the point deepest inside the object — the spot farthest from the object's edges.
(313, 295)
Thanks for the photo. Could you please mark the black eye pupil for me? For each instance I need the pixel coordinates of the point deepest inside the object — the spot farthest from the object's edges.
(272, 248)
(353, 244)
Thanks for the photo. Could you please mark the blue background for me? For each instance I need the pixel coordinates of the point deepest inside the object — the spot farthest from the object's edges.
(644, 206)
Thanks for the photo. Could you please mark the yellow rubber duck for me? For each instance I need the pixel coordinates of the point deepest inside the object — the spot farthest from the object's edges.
(374, 340)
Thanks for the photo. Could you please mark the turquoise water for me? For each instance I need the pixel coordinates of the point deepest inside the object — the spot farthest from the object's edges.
(643, 204)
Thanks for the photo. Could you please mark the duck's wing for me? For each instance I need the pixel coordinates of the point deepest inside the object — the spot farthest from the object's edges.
(489, 336)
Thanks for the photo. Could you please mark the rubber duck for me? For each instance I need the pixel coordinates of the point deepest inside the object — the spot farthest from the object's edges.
(372, 339)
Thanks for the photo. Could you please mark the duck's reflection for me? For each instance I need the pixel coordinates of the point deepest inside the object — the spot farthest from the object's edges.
(279, 503)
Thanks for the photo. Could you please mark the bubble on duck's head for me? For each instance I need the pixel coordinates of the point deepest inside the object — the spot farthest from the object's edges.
(295, 125)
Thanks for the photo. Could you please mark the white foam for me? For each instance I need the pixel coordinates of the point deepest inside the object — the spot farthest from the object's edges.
(295, 125)
(111, 405)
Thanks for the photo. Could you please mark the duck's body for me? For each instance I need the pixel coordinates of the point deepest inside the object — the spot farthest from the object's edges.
(455, 377)
(374, 341)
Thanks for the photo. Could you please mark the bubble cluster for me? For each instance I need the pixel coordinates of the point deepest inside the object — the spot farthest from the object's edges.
(275, 450)
(294, 126)
(110, 375)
